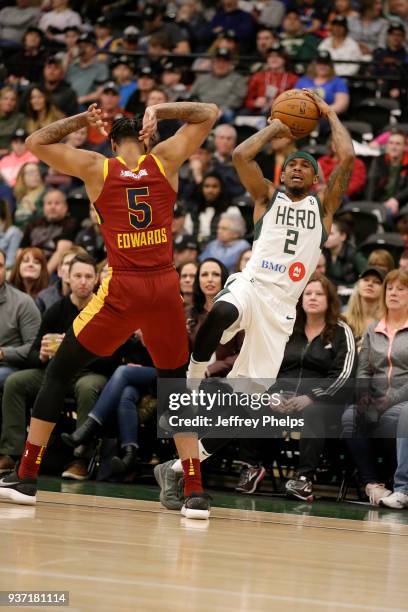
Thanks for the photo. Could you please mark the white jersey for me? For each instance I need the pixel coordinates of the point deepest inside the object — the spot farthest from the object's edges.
(288, 241)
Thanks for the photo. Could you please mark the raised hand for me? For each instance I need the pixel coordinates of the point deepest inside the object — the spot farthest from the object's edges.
(149, 124)
(323, 107)
(281, 129)
(95, 118)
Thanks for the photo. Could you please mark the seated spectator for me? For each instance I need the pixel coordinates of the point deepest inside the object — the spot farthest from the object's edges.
(391, 62)
(61, 288)
(71, 37)
(229, 242)
(398, 11)
(153, 23)
(167, 127)
(191, 19)
(185, 250)
(26, 64)
(364, 306)
(343, 264)
(30, 274)
(230, 17)
(62, 96)
(341, 8)
(158, 48)
(146, 81)
(19, 323)
(16, 20)
(22, 389)
(90, 237)
(54, 232)
(28, 191)
(207, 203)
(10, 235)
(223, 86)
(358, 175)
(321, 265)
(369, 27)
(187, 273)
(270, 13)
(321, 77)
(39, 109)
(129, 41)
(178, 231)
(267, 85)
(380, 258)
(85, 74)
(192, 172)
(53, 22)
(10, 119)
(343, 47)
(388, 176)
(225, 40)
(123, 75)
(265, 40)
(104, 39)
(243, 260)
(109, 105)
(119, 399)
(10, 164)
(171, 80)
(403, 261)
(382, 388)
(299, 46)
(225, 140)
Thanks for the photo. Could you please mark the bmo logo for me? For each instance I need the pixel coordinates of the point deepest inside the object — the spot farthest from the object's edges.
(297, 271)
(274, 266)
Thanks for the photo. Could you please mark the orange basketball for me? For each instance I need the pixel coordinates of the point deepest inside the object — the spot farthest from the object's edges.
(297, 111)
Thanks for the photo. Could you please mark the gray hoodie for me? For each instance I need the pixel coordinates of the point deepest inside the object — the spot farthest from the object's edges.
(19, 323)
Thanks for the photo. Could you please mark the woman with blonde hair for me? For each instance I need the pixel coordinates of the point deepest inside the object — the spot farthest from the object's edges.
(322, 78)
(30, 273)
(380, 258)
(28, 191)
(364, 306)
(39, 109)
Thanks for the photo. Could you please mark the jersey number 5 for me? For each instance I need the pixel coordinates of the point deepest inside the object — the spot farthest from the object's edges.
(140, 212)
(291, 240)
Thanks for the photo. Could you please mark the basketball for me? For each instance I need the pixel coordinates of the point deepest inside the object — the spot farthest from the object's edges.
(296, 110)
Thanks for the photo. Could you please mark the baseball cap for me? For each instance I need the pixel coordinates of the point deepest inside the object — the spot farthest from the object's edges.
(110, 86)
(223, 54)
(103, 21)
(341, 21)
(146, 71)
(179, 210)
(19, 134)
(171, 66)
(229, 34)
(151, 11)
(324, 57)
(377, 271)
(72, 28)
(131, 33)
(396, 25)
(54, 59)
(122, 60)
(187, 242)
(87, 37)
(277, 48)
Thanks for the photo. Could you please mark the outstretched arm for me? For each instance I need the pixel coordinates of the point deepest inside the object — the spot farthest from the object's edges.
(198, 119)
(248, 170)
(343, 146)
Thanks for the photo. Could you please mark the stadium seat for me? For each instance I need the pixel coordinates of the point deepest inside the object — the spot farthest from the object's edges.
(359, 130)
(376, 111)
(388, 240)
(367, 218)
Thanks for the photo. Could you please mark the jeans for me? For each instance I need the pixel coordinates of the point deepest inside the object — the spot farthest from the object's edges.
(401, 473)
(5, 371)
(121, 395)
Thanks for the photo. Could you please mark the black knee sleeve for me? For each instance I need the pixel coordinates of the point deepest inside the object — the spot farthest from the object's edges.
(222, 315)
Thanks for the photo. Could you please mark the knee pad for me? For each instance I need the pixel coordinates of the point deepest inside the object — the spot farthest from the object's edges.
(224, 313)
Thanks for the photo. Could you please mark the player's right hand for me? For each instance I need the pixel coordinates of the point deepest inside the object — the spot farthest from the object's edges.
(282, 130)
(95, 118)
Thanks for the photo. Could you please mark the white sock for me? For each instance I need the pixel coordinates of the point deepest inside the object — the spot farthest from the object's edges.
(203, 455)
(196, 369)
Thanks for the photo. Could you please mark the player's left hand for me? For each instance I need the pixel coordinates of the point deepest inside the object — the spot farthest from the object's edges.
(323, 107)
(149, 125)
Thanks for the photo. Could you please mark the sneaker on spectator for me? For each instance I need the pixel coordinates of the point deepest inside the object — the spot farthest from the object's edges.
(251, 476)
(301, 488)
(77, 470)
(397, 500)
(6, 464)
(376, 491)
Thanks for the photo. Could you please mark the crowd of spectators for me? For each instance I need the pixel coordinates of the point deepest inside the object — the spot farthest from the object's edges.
(57, 57)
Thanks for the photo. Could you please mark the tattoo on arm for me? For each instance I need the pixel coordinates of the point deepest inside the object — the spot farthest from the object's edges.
(190, 112)
(56, 131)
(339, 179)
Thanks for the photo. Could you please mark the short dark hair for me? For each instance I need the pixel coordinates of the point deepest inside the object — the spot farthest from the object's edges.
(342, 226)
(83, 258)
(126, 127)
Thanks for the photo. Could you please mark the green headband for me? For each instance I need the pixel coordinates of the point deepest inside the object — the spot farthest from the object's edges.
(303, 155)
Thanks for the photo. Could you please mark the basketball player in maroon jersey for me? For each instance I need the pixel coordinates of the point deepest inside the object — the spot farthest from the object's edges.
(133, 195)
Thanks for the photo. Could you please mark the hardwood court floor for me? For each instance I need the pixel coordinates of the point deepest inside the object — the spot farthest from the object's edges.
(116, 554)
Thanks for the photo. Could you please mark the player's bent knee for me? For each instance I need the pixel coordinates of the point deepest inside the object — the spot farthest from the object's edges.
(223, 313)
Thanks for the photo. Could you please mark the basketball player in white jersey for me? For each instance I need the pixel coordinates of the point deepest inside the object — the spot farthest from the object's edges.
(291, 226)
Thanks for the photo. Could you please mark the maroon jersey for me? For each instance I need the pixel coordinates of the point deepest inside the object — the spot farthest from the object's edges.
(135, 212)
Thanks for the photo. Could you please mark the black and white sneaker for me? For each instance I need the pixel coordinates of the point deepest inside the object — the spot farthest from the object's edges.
(18, 490)
(197, 506)
(301, 488)
(250, 478)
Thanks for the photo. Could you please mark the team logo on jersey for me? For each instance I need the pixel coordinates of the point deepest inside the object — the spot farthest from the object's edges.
(274, 266)
(130, 174)
(297, 271)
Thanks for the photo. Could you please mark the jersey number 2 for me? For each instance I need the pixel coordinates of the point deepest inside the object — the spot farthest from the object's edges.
(140, 212)
(291, 240)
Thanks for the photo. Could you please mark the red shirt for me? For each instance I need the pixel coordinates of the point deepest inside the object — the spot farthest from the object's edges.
(358, 175)
(262, 84)
(94, 135)
(135, 212)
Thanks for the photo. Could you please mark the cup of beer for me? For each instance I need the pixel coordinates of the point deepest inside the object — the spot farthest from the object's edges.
(54, 341)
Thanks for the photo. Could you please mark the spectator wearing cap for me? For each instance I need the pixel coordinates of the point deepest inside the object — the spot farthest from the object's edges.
(10, 118)
(71, 37)
(55, 21)
(86, 74)
(328, 163)
(158, 48)
(343, 263)
(62, 96)
(104, 39)
(299, 46)
(229, 243)
(171, 81)
(146, 81)
(388, 175)
(369, 27)
(321, 77)
(391, 60)
(10, 164)
(39, 109)
(15, 21)
(225, 40)
(230, 17)
(398, 12)
(153, 24)
(26, 64)
(265, 86)
(123, 75)
(185, 249)
(223, 86)
(342, 47)
(364, 306)
(109, 105)
(129, 41)
(313, 13)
